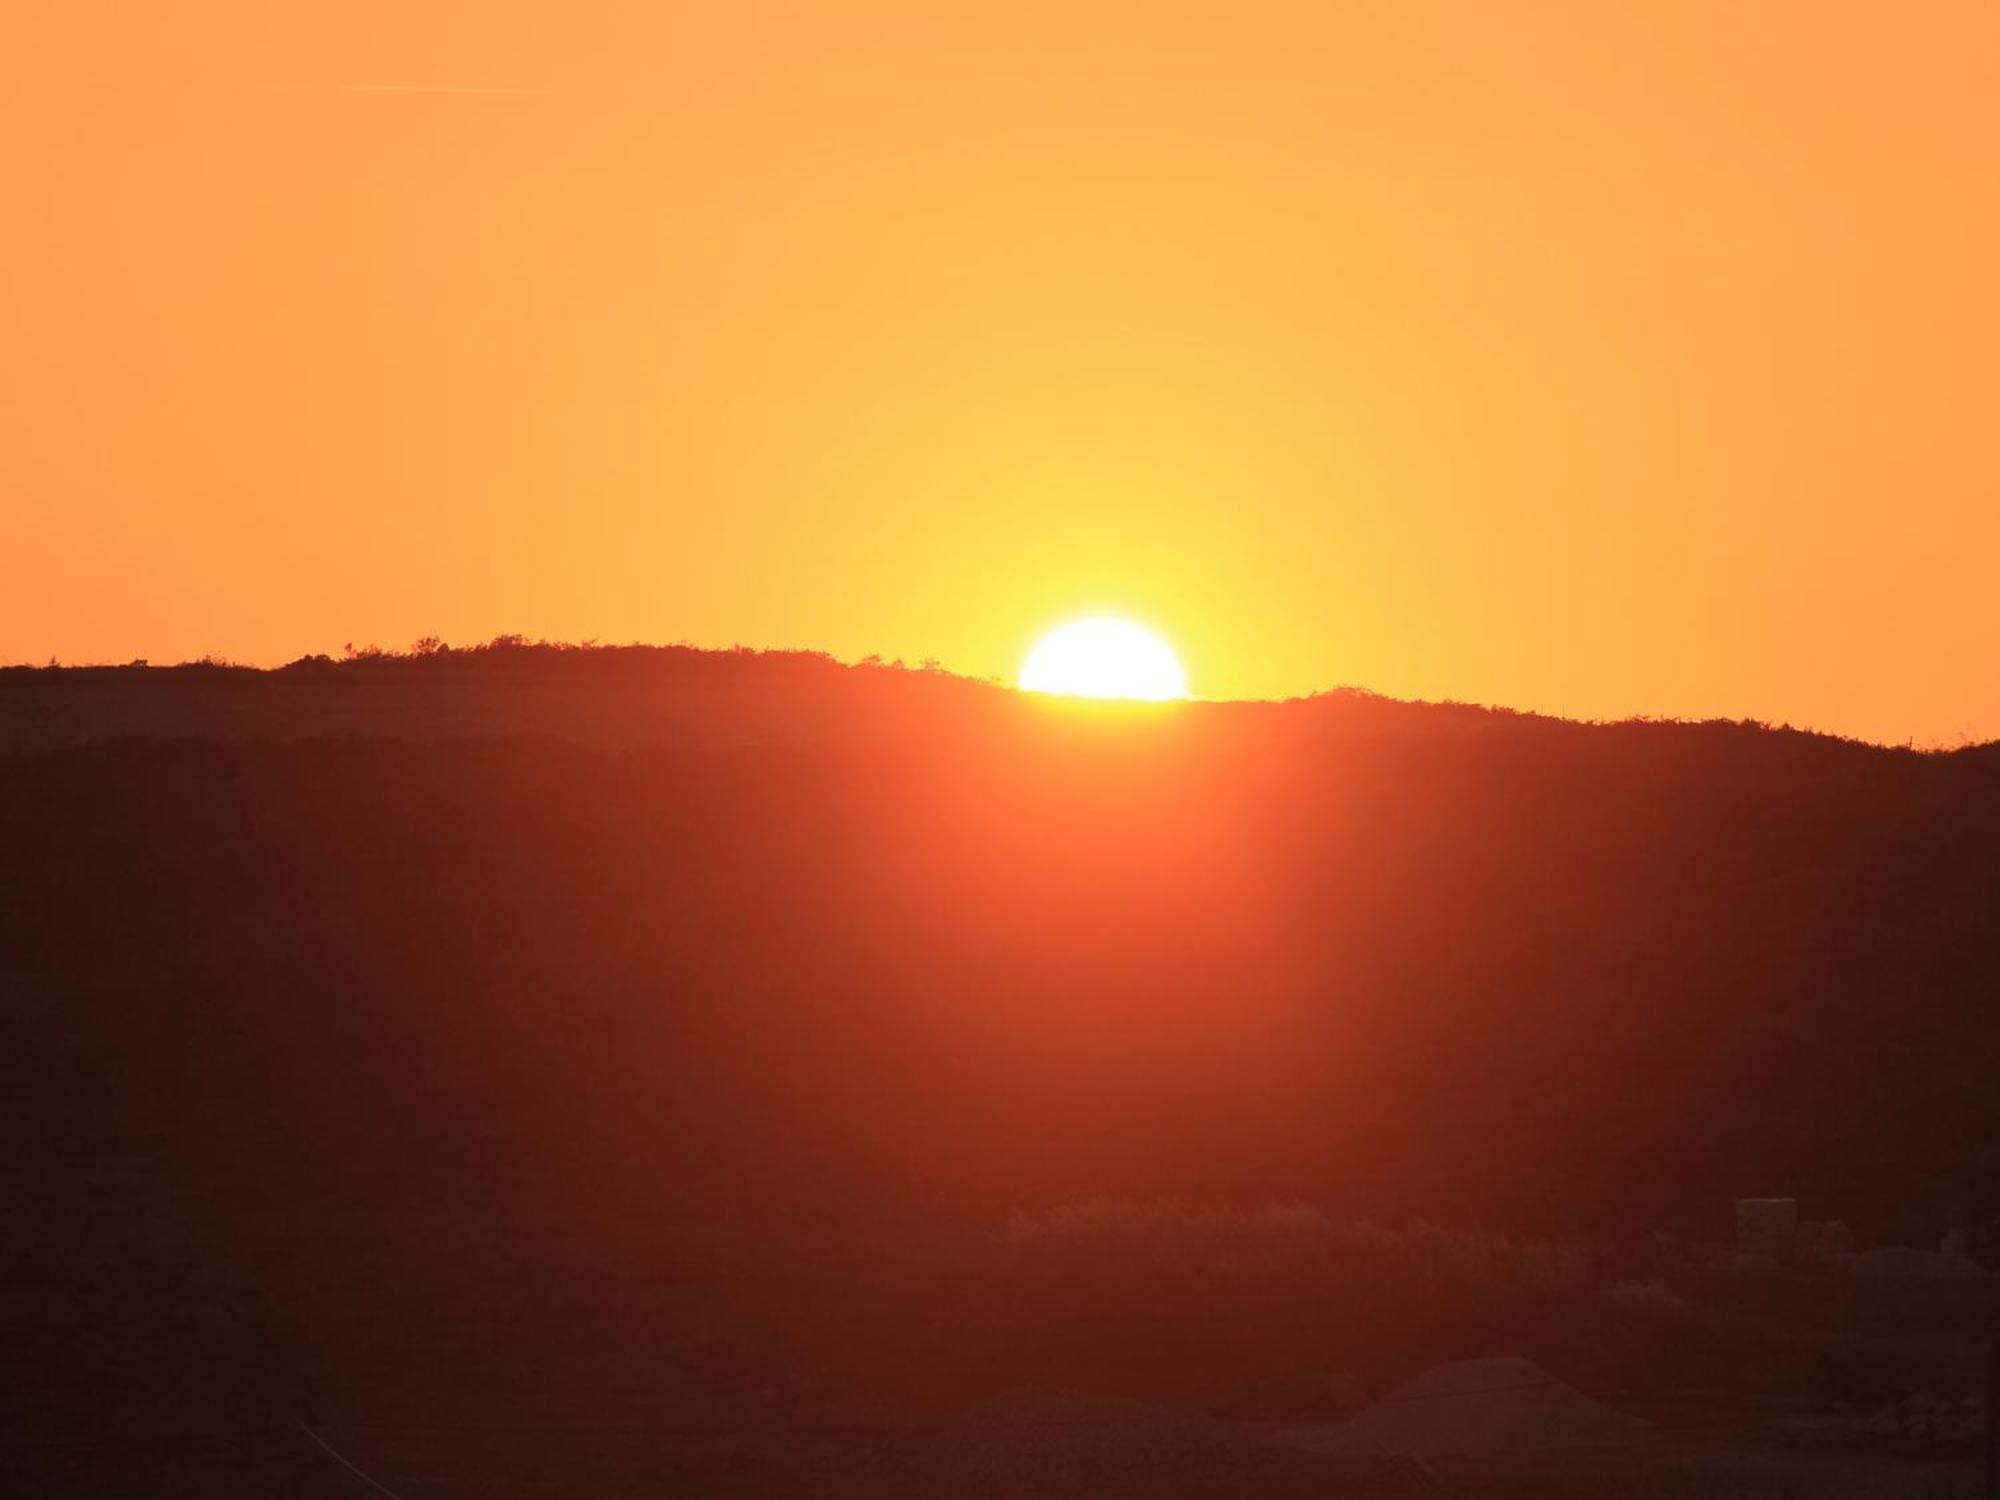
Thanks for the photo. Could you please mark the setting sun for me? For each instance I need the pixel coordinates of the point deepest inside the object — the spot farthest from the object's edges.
(1104, 658)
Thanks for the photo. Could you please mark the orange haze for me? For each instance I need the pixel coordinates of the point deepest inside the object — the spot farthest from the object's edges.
(1597, 358)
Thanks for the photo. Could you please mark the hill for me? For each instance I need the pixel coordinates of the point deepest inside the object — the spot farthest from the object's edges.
(1419, 956)
(610, 697)
(357, 1004)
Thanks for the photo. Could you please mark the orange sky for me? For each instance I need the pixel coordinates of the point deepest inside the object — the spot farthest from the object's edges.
(1596, 358)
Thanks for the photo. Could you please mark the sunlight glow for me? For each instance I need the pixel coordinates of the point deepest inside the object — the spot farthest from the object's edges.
(1104, 658)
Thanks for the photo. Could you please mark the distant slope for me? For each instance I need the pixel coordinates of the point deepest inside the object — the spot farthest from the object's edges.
(529, 1020)
(805, 924)
(609, 697)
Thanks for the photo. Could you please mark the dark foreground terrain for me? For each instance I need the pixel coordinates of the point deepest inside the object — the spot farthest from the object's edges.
(536, 1072)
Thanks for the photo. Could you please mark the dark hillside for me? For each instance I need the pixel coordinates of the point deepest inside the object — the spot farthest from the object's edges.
(611, 697)
(288, 1022)
(1415, 957)
(608, 696)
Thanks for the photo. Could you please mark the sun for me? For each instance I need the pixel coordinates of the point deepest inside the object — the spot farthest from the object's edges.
(1104, 658)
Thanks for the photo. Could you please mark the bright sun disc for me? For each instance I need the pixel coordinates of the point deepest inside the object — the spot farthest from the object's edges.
(1104, 658)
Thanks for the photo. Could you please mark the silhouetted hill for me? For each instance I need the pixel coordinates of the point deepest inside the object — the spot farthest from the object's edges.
(1422, 957)
(609, 696)
(612, 696)
(343, 960)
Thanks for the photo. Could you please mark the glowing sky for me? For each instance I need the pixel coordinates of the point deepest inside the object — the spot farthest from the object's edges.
(1597, 358)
